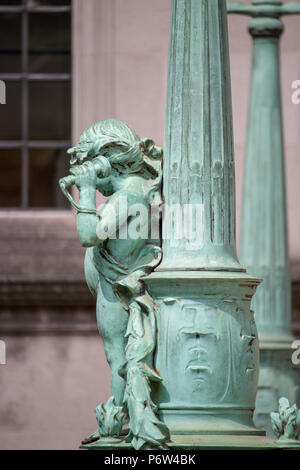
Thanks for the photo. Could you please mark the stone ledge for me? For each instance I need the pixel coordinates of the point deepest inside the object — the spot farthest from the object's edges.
(48, 322)
(45, 294)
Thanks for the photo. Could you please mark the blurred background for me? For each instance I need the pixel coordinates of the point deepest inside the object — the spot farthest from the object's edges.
(65, 65)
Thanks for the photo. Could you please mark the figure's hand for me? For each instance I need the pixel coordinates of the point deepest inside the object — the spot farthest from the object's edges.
(85, 175)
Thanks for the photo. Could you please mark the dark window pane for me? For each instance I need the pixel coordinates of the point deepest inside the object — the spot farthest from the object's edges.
(9, 3)
(47, 62)
(10, 43)
(10, 61)
(49, 43)
(10, 113)
(50, 110)
(52, 2)
(49, 31)
(10, 178)
(45, 169)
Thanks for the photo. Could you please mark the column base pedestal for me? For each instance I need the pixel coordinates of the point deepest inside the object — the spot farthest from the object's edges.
(204, 442)
(209, 421)
(207, 351)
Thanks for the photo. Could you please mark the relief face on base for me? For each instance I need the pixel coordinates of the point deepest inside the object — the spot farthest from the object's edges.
(215, 349)
(112, 159)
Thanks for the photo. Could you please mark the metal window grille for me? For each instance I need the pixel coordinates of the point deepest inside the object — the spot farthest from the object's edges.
(26, 8)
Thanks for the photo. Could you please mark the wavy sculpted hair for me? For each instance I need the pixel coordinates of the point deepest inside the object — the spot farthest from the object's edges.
(119, 143)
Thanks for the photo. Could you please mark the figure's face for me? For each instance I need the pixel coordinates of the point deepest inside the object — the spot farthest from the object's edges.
(105, 186)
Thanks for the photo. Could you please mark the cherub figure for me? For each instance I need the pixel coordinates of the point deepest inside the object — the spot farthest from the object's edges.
(111, 158)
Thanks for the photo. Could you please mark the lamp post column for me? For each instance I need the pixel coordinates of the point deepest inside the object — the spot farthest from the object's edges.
(207, 351)
(264, 245)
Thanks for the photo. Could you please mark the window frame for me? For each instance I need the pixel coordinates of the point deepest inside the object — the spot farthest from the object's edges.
(24, 78)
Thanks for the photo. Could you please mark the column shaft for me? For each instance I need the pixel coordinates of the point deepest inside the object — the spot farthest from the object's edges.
(264, 249)
(207, 349)
(199, 165)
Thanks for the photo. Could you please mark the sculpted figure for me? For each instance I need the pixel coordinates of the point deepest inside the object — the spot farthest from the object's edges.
(286, 423)
(111, 158)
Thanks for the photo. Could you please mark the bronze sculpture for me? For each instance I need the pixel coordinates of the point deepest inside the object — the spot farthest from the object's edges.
(111, 158)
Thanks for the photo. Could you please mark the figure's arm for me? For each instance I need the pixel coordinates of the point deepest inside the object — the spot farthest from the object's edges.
(87, 223)
(85, 180)
(93, 229)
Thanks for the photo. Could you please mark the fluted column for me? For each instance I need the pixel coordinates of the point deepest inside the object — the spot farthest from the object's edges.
(264, 244)
(264, 247)
(199, 166)
(207, 351)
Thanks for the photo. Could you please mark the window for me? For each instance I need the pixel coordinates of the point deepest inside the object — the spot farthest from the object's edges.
(35, 122)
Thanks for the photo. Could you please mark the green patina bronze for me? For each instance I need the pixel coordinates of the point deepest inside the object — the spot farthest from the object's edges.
(264, 245)
(207, 350)
(286, 423)
(111, 158)
(174, 312)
